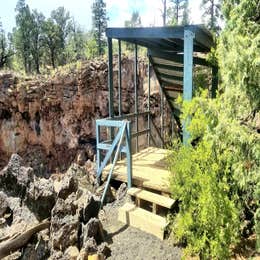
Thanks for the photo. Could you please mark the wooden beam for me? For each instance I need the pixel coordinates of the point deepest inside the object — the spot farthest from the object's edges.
(142, 219)
(149, 196)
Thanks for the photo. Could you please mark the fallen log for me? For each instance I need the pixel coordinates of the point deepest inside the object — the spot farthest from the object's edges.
(10, 246)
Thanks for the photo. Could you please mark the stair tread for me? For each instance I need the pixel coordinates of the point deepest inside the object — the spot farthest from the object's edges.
(152, 197)
(142, 219)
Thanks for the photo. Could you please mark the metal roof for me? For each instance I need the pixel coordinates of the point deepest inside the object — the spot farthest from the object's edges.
(165, 51)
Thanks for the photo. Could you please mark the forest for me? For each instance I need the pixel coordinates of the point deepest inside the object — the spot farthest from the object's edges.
(216, 176)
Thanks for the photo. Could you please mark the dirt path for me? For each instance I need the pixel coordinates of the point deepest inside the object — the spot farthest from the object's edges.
(131, 243)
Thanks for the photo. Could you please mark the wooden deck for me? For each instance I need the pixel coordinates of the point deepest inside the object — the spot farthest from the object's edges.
(149, 170)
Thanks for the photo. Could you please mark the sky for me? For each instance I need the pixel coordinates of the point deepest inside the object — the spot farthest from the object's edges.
(118, 11)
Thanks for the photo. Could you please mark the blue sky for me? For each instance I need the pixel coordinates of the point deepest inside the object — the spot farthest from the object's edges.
(118, 11)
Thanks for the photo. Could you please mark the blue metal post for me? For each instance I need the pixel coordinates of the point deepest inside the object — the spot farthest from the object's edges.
(119, 79)
(214, 85)
(148, 106)
(110, 77)
(136, 98)
(98, 150)
(161, 112)
(188, 68)
(129, 154)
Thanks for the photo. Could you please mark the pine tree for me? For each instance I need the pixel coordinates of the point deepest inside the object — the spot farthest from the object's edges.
(185, 14)
(37, 38)
(5, 51)
(212, 13)
(135, 20)
(178, 12)
(164, 11)
(22, 34)
(99, 24)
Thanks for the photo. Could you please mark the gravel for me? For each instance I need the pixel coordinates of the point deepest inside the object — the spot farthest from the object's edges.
(131, 243)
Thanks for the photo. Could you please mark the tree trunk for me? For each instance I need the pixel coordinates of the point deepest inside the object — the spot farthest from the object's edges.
(52, 58)
(164, 12)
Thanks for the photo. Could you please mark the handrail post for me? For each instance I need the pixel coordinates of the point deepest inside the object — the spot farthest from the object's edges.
(129, 154)
(148, 106)
(98, 150)
(122, 131)
(136, 96)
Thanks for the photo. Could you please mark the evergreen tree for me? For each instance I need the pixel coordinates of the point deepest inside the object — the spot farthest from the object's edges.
(135, 20)
(185, 14)
(164, 12)
(178, 12)
(37, 38)
(5, 50)
(75, 44)
(55, 35)
(212, 13)
(99, 24)
(51, 42)
(216, 177)
(63, 23)
(22, 34)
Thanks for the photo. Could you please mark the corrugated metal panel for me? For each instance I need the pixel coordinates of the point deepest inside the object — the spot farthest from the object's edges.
(166, 62)
(170, 72)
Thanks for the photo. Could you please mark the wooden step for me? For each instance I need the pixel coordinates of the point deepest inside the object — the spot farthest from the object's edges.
(155, 198)
(142, 219)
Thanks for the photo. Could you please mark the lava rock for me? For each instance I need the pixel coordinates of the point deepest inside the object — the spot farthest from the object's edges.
(92, 229)
(110, 197)
(38, 250)
(15, 178)
(41, 197)
(90, 245)
(121, 192)
(3, 203)
(64, 223)
(89, 208)
(71, 253)
(104, 249)
(69, 184)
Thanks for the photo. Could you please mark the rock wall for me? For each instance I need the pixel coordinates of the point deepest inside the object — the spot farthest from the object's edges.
(50, 120)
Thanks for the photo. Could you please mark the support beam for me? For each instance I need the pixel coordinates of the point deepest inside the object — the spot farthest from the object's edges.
(214, 85)
(145, 32)
(148, 105)
(161, 112)
(119, 79)
(188, 68)
(136, 97)
(129, 155)
(110, 77)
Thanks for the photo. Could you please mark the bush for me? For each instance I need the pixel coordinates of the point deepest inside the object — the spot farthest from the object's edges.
(208, 220)
(217, 176)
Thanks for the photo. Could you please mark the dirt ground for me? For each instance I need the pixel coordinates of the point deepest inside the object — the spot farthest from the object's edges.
(131, 243)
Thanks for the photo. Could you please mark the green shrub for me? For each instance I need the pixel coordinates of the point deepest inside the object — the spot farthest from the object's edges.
(208, 220)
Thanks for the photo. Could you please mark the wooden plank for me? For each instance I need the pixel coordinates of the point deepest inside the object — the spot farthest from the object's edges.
(142, 219)
(165, 202)
(149, 170)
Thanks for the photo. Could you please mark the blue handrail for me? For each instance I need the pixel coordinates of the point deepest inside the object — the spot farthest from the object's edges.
(123, 131)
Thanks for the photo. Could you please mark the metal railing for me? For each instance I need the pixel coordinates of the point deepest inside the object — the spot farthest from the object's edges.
(120, 144)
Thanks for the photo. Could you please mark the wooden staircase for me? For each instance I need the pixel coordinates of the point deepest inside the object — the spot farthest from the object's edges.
(147, 212)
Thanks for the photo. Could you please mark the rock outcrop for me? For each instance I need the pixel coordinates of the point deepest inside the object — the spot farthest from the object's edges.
(72, 211)
(50, 120)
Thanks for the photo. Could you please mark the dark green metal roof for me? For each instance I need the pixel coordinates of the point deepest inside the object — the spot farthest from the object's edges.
(166, 38)
(165, 51)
